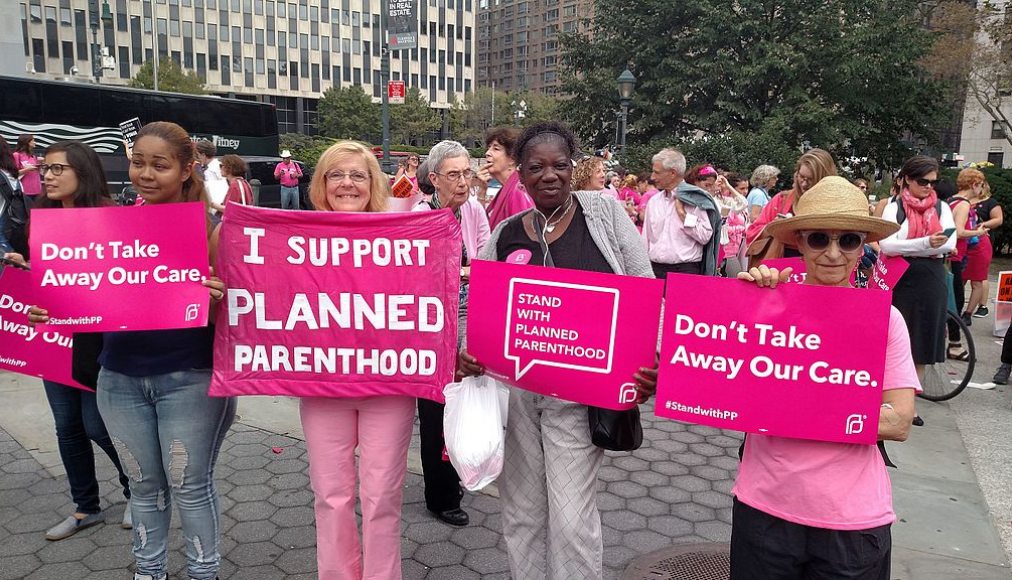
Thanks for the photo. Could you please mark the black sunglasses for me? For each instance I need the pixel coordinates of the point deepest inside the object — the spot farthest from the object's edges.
(926, 182)
(848, 241)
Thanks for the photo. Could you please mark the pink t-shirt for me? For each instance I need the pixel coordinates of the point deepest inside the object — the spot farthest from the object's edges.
(31, 182)
(836, 486)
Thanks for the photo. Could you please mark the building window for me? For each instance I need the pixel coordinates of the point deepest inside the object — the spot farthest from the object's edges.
(996, 157)
(997, 131)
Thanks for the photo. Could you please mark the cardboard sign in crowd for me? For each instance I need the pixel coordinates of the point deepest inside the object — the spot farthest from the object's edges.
(102, 269)
(333, 304)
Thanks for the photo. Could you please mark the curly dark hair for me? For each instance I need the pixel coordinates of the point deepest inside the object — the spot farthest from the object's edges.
(546, 130)
(505, 136)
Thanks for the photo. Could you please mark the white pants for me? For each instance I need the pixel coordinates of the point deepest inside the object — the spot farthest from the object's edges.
(549, 490)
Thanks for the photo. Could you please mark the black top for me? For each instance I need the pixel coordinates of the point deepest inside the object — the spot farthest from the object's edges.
(156, 352)
(984, 209)
(575, 250)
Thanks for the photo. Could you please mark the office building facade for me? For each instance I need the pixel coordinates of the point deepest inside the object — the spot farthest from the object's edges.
(286, 53)
(518, 41)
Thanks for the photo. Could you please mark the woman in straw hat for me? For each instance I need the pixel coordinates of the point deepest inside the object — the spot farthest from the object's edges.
(814, 509)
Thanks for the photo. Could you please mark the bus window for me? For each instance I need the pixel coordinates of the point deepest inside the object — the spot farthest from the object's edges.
(21, 103)
(71, 105)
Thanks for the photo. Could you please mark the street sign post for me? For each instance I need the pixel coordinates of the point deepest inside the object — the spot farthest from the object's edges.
(395, 92)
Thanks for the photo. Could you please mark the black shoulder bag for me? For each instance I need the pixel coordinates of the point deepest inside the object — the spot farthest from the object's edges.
(609, 429)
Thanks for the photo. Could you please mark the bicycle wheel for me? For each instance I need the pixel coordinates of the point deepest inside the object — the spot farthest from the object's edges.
(945, 380)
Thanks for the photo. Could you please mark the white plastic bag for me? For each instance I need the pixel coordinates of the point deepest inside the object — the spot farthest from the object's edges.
(474, 428)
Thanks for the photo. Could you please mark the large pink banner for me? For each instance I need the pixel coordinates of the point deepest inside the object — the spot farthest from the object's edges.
(33, 351)
(574, 335)
(777, 362)
(121, 268)
(885, 273)
(331, 304)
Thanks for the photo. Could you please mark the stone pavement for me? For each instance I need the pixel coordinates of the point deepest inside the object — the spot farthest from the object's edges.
(675, 489)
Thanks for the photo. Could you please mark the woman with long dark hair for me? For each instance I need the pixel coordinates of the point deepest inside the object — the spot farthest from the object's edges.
(73, 177)
(10, 186)
(152, 392)
(921, 294)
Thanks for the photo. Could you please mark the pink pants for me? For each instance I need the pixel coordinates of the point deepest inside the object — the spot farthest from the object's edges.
(381, 428)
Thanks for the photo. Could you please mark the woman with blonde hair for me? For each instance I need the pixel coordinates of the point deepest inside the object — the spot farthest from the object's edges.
(348, 178)
(811, 167)
(589, 175)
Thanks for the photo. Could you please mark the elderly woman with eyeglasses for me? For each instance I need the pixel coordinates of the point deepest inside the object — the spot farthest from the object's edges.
(926, 234)
(348, 179)
(449, 169)
(816, 509)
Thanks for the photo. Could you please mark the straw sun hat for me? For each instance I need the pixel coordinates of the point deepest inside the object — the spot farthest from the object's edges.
(831, 204)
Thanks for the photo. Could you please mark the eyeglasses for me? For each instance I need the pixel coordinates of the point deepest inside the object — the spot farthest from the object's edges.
(848, 241)
(456, 175)
(56, 168)
(926, 182)
(338, 176)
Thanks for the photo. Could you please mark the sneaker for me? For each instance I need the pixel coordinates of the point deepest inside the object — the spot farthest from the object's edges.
(981, 312)
(1001, 375)
(128, 518)
(72, 525)
(967, 319)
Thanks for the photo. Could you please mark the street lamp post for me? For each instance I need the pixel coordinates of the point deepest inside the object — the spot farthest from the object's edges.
(96, 49)
(626, 84)
(520, 110)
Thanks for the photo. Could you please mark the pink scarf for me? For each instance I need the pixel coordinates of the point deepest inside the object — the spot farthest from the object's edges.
(921, 215)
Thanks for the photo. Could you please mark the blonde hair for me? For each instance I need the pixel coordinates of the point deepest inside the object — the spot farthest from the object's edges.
(379, 185)
(583, 171)
(630, 181)
(986, 191)
(969, 177)
(820, 162)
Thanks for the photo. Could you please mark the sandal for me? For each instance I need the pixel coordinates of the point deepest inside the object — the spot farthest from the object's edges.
(957, 352)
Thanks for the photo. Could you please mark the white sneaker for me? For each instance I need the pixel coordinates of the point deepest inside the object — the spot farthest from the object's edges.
(128, 518)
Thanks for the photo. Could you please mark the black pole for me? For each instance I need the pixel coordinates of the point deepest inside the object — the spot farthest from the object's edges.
(385, 80)
(96, 49)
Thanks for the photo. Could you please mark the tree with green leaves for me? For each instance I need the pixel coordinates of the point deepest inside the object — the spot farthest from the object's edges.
(348, 113)
(413, 122)
(171, 78)
(472, 116)
(759, 76)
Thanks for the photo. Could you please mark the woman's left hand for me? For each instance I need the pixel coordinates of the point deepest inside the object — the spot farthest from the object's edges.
(646, 383)
(766, 277)
(216, 287)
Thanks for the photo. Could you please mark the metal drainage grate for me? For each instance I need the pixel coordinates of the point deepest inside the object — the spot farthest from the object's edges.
(683, 562)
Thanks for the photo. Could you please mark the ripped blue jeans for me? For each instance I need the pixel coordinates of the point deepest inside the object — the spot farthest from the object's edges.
(168, 433)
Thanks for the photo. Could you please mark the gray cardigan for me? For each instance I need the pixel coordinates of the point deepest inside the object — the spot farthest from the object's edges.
(611, 229)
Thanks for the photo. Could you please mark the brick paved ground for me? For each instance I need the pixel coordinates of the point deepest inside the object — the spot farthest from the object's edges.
(675, 489)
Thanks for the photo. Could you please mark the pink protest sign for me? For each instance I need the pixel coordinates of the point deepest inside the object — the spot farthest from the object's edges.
(886, 272)
(574, 335)
(26, 350)
(121, 268)
(333, 304)
(776, 362)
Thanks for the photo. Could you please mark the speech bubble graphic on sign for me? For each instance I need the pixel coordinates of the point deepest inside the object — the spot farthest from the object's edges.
(542, 327)
(569, 334)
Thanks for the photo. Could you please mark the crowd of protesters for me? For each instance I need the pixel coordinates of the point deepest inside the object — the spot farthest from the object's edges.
(802, 509)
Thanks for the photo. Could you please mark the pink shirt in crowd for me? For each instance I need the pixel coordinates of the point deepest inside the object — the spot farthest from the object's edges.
(288, 174)
(511, 200)
(645, 198)
(473, 225)
(668, 240)
(31, 182)
(836, 486)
